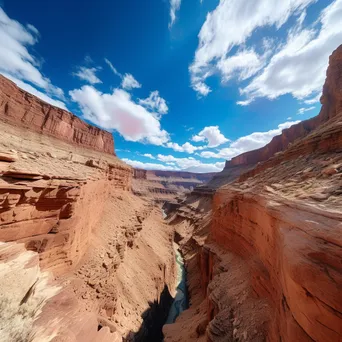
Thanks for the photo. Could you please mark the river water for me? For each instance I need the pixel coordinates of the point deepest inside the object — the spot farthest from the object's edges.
(180, 302)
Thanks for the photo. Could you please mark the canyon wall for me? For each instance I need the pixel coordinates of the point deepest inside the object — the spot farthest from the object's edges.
(25, 110)
(166, 185)
(108, 249)
(268, 267)
(331, 100)
(41, 309)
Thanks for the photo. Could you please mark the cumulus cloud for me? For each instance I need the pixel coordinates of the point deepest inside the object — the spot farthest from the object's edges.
(313, 100)
(118, 111)
(298, 68)
(186, 147)
(191, 164)
(243, 65)
(230, 25)
(155, 103)
(303, 110)
(148, 155)
(170, 163)
(16, 60)
(148, 166)
(87, 74)
(247, 143)
(212, 135)
(174, 7)
(129, 82)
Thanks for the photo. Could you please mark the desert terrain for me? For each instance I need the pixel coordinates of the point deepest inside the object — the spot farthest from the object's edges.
(86, 254)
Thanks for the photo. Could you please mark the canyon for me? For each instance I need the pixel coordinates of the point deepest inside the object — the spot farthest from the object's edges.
(84, 234)
(263, 247)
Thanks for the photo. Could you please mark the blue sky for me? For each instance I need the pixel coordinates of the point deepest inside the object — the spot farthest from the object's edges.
(182, 84)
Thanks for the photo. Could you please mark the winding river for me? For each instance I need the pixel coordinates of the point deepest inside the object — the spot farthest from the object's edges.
(180, 302)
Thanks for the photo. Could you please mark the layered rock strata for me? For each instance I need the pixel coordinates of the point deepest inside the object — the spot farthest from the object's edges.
(270, 267)
(331, 100)
(25, 110)
(109, 248)
(40, 309)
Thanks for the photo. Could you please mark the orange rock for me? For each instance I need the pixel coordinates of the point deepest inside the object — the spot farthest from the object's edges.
(23, 109)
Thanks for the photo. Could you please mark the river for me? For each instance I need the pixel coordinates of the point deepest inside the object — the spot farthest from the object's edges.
(180, 302)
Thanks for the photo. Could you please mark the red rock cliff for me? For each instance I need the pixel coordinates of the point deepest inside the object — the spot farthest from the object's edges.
(331, 105)
(23, 109)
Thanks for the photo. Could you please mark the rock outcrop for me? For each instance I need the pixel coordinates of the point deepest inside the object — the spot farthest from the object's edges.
(51, 202)
(25, 110)
(331, 100)
(40, 309)
(268, 267)
(166, 185)
(74, 208)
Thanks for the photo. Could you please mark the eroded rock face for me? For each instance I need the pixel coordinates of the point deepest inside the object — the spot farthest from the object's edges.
(291, 252)
(23, 109)
(270, 270)
(51, 197)
(331, 107)
(41, 309)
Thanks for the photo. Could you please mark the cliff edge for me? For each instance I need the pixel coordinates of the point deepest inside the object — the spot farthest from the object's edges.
(22, 109)
(331, 100)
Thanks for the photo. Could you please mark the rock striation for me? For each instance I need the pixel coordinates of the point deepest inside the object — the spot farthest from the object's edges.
(51, 203)
(40, 309)
(74, 210)
(263, 252)
(331, 101)
(25, 110)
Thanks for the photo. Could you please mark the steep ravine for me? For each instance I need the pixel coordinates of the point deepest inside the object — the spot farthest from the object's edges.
(263, 252)
(108, 252)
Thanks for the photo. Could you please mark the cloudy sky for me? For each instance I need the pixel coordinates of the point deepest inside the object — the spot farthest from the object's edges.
(183, 85)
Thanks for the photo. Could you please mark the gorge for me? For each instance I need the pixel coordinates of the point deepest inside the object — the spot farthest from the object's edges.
(84, 234)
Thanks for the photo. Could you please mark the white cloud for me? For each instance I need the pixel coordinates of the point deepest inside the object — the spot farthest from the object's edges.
(186, 147)
(155, 103)
(148, 166)
(27, 87)
(15, 58)
(231, 24)
(129, 82)
(191, 164)
(313, 100)
(148, 155)
(111, 66)
(303, 110)
(298, 68)
(212, 135)
(247, 143)
(87, 74)
(118, 111)
(244, 103)
(174, 7)
(243, 65)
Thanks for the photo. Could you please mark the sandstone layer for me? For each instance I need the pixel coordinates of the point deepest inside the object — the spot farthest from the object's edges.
(164, 186)
(40, 309)
(264, 251)
(331, 100)
(108, 249)
(25, 110)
